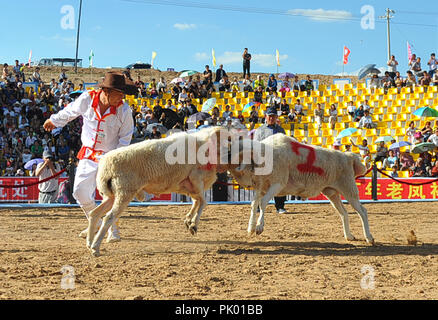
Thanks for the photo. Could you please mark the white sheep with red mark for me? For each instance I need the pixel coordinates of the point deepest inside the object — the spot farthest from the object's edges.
(150, 166)
(301, 170)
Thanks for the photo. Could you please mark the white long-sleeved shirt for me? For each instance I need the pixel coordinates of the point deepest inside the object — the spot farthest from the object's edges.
(100, 133)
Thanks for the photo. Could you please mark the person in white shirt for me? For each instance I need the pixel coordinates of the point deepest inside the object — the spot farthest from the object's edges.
(107, 125)
(364, 150)
(433, 64)
(434, 137)
(161, 86)
(392, 66)
(366, 121)
(351, 109)
(298, 109)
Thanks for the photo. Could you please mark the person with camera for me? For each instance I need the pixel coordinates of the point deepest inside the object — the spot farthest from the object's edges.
(49, 189)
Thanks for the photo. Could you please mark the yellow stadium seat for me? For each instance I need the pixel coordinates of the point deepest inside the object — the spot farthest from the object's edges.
(327, 133)
(313, 133)
(387, 117)
(340, 125)
(370, 132)
(399, 132)
(384, 132)
(299, 133)
(329, 141)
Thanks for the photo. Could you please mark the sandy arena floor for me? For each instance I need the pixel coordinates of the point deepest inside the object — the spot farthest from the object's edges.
(299, 256)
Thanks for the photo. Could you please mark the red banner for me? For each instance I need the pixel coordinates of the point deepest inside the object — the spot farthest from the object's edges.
(30, 194)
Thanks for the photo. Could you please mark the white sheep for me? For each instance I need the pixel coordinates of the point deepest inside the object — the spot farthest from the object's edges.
(180, 163)
(301, 170)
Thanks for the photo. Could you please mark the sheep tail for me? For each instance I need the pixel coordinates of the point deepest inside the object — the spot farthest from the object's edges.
(358, 167)
(103, 181)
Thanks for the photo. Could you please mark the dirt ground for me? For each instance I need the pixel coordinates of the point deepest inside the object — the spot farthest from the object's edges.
(301, 255)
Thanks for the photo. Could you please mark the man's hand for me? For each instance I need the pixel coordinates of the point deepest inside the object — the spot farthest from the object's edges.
(48, 125)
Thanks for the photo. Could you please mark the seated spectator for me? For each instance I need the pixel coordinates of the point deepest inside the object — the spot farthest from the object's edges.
(411, 132)
(247, 84)
(398, 81)
(308, 85)
(175, 91)
(351, 109)
(298, 109)
(235, 86)
(359, 113)
(425, 80)
(433, 172)
(296, 86)
(410, 80)
(284, 108)
(259, 82)
(253, 117)
(152, 87)
(406, 160)
(416, 67)
(366, 121)
(375, 82)
(161, 86)
(183, 96)
(36, 77)
(434, 137)
(240, 116)
(285, 86)
(387, 81)
(224, 84)
(419, 169)
(319, 115)
(394, 172)
(155, 134)
(333, 116)
(227, 113)
(390, 161)
(272, 83)
(366, 106)
(426, 131)
(382, 152)
(258, 94)
(435, 79)
(215, 112)
(170, 106)
(273, 100)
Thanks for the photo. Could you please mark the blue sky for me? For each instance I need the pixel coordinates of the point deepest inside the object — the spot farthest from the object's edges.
(310, 40)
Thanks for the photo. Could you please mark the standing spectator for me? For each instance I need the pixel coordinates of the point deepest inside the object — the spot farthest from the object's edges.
(296, 86)
(433, 64)
(269, 128)
(47, 190)
(246, 63)
(62, 76)
(333, 116)
(273, 100)
(416, 67)
(392, 66)
(220, 73)
(207, 77)
(36, 77)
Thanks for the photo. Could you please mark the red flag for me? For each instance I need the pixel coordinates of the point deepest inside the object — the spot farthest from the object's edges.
(346, 54)
(409, 52)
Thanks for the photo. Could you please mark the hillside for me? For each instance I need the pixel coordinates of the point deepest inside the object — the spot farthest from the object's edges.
(95, 74)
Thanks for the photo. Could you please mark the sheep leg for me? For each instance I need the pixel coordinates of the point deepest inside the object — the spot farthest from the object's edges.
(108, 220)
(189, 216)
(335, 199)
(197, 217)
(252, 220)
(272, 191)
(363, 214)
(94, 217)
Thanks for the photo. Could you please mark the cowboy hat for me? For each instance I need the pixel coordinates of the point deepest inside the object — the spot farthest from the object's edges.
(117, 81)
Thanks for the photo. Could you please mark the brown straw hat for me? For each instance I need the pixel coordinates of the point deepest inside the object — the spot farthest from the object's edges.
(117, 81)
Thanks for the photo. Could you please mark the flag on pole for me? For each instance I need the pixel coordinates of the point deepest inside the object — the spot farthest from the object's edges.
(30, 57)
(278, 57)
(154, 54)
(213, 57)
(90, 58)
(346, 54)
(409, 51)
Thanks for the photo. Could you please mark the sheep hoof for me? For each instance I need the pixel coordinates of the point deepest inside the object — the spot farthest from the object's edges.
(350, 238)
(187, 223)
(95, 253)
(371, 242)
(259, 230)
(193, 230)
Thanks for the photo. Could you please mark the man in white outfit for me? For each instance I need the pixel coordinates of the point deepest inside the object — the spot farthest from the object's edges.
(107, 124)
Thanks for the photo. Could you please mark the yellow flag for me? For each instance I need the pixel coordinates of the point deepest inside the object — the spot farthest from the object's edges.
(278, 57)
(154, 54)
(214, 57)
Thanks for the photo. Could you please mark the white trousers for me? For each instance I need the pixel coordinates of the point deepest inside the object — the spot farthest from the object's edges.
(84, 189)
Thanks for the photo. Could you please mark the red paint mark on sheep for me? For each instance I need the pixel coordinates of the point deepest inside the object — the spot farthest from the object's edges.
(308, 166)
(208, 167)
